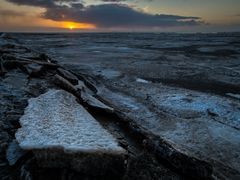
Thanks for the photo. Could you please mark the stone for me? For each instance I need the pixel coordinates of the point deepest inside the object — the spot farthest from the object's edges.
(66, 85)
(81, 86)
(16, 80)
(94, 102)
(68, 75)
(87, 96)
(45, 64)
(62, 134)
(44, 57)
(24, 61)
(6, 38)
(33, 69)
(237, 96)
(2, 69)
(14, 153)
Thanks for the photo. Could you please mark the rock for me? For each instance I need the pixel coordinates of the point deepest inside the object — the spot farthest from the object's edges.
(14, 153)
(81, 86)
(2, 35)
(181, 161)
(87, 96)
(2, 69)
(88, 82)
(23, 61)
(237, 96)
(13, 119)
(144, 167)
(95, 103)
(45, 64)
(81, 92)
(44, 57)
(25, 174)
(6, 38)
(211, 113)
(8, 57)
(62, 134)
(66, 85)
(68, 75)
(16, 80)
(11, 64)
(4, 138)
(33, 69)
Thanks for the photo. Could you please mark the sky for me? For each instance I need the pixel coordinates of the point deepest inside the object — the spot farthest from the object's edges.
(119, 15)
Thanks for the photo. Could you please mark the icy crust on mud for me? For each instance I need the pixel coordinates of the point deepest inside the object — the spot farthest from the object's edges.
(201, 125)
(56, 120)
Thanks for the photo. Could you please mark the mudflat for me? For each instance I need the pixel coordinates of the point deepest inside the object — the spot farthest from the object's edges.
(174, 98)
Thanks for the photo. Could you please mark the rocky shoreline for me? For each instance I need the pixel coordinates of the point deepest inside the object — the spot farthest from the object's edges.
(148, 151)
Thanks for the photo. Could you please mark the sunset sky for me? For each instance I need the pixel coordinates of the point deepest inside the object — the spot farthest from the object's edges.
(119, 15)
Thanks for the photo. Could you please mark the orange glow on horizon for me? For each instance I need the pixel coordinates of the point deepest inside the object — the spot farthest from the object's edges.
(31, 19)
(67, 25)
(74, 25)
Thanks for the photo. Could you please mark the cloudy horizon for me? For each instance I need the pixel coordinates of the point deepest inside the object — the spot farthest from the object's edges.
(119, 15)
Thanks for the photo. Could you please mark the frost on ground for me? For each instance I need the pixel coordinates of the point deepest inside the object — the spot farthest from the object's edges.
(183, 90)
(56, 120)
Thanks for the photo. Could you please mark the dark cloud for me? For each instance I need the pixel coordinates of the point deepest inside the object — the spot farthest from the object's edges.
(10, 13)
(116, 15)
(106, 15)
(43, 3)
(122, 0)
(113, 0)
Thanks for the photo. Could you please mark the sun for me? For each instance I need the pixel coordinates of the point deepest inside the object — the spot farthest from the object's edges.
(76, 26)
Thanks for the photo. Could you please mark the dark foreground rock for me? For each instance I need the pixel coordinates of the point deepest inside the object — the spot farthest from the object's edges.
(68, 75)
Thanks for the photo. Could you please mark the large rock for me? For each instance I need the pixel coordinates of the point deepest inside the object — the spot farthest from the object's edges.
(62, 134)
(68, 75)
